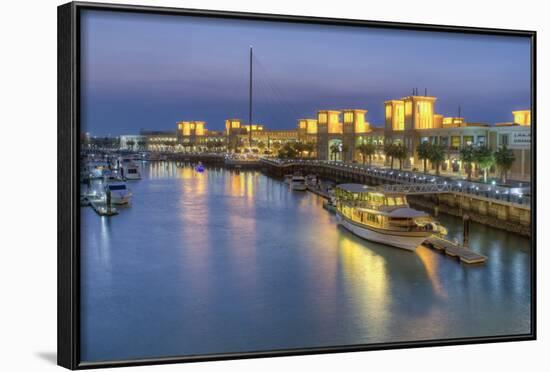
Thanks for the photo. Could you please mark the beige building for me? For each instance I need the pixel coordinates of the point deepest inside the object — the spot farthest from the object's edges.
(336, 135)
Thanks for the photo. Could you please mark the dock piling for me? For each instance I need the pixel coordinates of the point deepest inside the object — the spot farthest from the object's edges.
(466, 230)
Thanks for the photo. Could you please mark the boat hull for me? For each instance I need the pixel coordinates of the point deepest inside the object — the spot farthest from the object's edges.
(407, 242)
(298, 187)
(120, 198)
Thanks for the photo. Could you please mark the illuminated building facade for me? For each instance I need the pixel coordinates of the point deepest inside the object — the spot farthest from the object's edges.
(337, 134)
(194, 136)
(413, 120)
(159, 140)
(132, 142)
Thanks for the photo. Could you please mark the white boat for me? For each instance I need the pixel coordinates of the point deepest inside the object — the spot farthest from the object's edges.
(120, 194)
(131, 171)
(298, 183)
(383, 217)
(311, 180)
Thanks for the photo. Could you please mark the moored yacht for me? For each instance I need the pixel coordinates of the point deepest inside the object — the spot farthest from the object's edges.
(298, 183)
(131, 171)
(120, 194)
(311, 180)
(383, 217)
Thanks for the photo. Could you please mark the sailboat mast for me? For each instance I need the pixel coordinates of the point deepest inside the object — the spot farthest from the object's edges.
(250, 103)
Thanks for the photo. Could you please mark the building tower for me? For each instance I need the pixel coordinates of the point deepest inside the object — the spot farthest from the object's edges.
(354, 125)
(329, 131)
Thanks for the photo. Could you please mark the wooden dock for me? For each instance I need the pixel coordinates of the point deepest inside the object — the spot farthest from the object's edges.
(100, 207)
(454, 250)
(318, 191)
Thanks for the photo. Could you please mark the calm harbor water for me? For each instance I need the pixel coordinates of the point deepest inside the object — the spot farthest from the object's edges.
(220, 262)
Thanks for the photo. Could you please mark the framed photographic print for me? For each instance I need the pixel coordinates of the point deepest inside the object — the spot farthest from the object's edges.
(235, 185)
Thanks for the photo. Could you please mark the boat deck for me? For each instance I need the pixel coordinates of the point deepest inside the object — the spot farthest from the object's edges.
(454, 250)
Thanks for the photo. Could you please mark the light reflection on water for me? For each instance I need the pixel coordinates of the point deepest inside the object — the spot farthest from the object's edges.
(226, 261)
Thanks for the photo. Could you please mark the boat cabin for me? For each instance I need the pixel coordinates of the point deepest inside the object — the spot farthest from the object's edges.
(363, 195)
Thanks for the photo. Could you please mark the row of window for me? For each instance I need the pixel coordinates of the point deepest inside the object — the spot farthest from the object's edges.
(456, 141)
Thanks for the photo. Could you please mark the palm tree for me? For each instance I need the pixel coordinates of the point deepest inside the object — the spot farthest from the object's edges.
(288, 151)
(210, 145)
(366, 150)
(141, 145)
(423, 152)
(504, 158)
(436, 156)
(276, 146)
(389, 150)
(130, 144)
(400, 152)
(467, 156)
(344, 149)
(261, 145)
(485, 160)
(168, 144)
(309, 147)
(300, 148)
(334, 149)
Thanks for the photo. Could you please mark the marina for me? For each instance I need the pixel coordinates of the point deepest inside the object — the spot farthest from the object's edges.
(224, 233)
(364, 220)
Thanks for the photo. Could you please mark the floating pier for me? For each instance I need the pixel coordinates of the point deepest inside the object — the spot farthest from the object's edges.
(454, 250)
(102, 209)
(98, 204)
(318, 191)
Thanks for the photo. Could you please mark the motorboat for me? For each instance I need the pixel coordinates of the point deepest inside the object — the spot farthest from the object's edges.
(119, 192)
(130, 171)
(312, 180)
(298, 183)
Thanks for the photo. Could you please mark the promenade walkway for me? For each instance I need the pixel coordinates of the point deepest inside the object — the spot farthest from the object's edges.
(514, 195)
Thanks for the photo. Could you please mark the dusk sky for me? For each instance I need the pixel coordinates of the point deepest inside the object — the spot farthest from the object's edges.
(150, 71)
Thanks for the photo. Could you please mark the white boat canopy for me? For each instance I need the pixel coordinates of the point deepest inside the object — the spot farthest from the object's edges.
(354, 187)
(407, 213)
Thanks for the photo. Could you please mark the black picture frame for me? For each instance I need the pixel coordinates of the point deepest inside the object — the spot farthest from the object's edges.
(68, 250)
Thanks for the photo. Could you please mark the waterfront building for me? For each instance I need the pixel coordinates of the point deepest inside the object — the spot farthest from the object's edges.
(239, 136)
(336, 134)
(413, 120)
(159, 140)
(516, 137)
(89, 142)
(133, 142)
(194, 136)
(410, 121)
